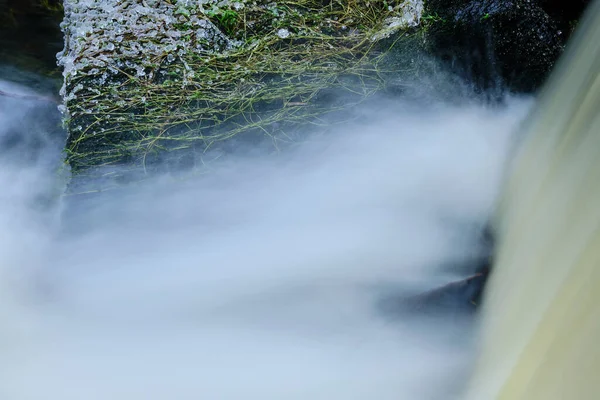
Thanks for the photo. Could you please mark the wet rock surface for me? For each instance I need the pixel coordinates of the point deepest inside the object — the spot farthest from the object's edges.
(497, 44)
(30, 35)
(461, 297)
(458, 298)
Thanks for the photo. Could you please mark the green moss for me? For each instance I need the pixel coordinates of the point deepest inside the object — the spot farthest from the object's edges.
(433, 18)
(226, 19)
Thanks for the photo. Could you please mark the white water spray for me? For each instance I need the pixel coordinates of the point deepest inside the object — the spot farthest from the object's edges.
(259, 282)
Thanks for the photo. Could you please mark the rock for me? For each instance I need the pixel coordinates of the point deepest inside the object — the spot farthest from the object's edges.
(499, 44)
(456, 298)
(463, 294)
(566, 14)
(459, 298)
(170, 85)
(30, 35)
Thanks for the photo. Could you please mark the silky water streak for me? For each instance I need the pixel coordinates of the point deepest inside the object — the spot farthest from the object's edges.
(541, 322)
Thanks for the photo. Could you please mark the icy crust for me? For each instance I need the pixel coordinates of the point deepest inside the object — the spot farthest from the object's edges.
(105, 37)
(408, 16)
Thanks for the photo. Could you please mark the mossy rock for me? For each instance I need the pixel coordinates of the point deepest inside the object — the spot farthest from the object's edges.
(154, 86)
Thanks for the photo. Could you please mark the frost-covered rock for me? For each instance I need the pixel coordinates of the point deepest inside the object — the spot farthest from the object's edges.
(106, 37)
(155, 85)
(408, 15)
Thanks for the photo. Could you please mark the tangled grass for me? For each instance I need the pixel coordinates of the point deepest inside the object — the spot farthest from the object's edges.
(292, 63)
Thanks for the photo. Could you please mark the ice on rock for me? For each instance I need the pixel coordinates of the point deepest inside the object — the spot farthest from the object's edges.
(283, 33)
(101, 33)
(408, 15)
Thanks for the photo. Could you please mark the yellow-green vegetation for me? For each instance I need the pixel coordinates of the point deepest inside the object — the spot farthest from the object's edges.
(284, 65)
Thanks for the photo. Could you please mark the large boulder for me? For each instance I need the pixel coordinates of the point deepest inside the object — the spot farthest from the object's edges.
(165, 85)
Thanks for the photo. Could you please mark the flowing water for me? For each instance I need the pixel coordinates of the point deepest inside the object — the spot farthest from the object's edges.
(542, 314)
(261, 280)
